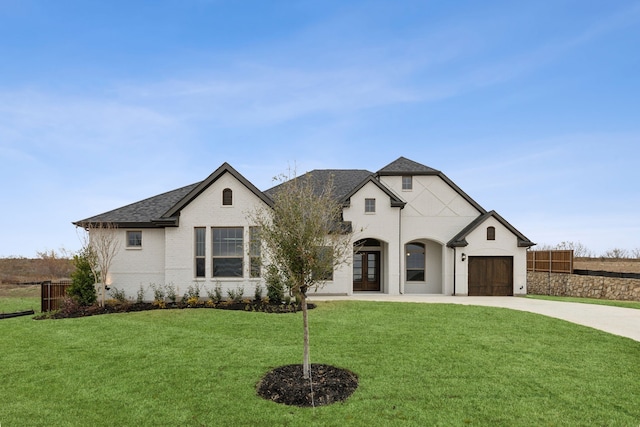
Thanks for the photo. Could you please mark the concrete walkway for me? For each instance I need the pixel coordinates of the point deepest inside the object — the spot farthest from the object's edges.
(615, 320)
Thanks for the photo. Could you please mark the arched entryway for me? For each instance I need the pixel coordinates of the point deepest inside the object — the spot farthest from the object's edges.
(423, 267)
(367, 265)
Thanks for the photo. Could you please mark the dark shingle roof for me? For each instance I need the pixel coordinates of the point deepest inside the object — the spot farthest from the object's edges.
(143, 212)
(344, 180)
(403, 166)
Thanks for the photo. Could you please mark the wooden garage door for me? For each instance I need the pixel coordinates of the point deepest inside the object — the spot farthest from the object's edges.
(490, 276)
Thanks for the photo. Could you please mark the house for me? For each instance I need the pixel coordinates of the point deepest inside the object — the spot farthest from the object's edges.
(416, 231)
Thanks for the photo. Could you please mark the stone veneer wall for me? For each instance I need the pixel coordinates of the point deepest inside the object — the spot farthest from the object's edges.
(574, 285)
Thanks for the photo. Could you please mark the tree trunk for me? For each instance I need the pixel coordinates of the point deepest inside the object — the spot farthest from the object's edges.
(306, 374)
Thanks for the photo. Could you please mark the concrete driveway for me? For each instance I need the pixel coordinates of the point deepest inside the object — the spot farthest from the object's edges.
(615, 320)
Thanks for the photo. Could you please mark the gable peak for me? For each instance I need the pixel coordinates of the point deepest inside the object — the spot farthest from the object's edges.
(404, 166)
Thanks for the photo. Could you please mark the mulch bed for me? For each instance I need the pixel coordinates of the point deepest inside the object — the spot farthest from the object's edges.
(328, 385)
(127, 307)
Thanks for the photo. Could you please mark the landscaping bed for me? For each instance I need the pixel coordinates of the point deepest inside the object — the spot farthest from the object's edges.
(71, 310)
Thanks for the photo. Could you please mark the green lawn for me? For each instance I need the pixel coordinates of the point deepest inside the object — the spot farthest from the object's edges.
(418, 364)
(626, 304)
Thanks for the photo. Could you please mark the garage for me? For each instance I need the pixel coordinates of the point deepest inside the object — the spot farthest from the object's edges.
(490, 276)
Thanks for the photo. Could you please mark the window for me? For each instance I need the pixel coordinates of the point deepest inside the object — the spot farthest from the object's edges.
(227, 251)
(227, 197)
(415, 262)
(407, 183)
(134, 239)
(254, 252)
(491, 233)
(200, 240)
(369, 205)
(324, 270)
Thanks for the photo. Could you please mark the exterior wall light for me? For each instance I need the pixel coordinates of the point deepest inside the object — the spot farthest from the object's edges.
(464, 256)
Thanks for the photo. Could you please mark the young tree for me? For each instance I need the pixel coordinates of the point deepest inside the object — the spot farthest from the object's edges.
(102, 239)
(305, 239)
(83, 285)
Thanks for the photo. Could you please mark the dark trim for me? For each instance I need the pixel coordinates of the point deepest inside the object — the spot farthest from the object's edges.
(460, 239)
(225, 168)
(395, 201)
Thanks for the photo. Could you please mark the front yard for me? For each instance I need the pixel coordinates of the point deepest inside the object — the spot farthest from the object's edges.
(418, 364)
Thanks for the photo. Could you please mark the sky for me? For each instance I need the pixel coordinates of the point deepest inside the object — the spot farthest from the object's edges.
(532, 108)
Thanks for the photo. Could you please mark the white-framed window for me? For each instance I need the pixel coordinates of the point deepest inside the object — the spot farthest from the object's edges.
(200, 251)
(134, 239)
(227, 251)
(407, 182)
(369, 205)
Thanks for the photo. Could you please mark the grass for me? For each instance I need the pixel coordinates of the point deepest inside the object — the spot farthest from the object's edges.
(418, 364)
(614, 303)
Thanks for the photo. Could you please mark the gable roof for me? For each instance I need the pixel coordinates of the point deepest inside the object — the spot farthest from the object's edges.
(164, 209)
(396, 202)
(460, 240)
(404, 166)
(195, 192)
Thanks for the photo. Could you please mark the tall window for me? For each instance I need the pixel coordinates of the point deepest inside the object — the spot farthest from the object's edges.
(227, 197)
(415, 262)
(254, 251)
(200, 233)
(134, 239)
(227, 251)
(491, 233)
(325, 272)
(407, 182)
(369, 205)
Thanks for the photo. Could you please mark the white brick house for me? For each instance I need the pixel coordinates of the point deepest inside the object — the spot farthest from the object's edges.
(417, 232)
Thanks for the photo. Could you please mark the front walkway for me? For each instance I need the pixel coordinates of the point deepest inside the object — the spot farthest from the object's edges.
(615, 320)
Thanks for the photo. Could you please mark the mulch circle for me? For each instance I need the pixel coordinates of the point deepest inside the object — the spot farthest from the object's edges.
(328, 385)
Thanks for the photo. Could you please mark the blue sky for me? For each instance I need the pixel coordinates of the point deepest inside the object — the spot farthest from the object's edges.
(532, 108)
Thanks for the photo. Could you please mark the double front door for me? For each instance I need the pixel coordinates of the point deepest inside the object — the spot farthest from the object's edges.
(366, 271)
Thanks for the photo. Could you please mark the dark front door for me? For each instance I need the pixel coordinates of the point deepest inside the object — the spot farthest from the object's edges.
(366, 271)
(490, 276)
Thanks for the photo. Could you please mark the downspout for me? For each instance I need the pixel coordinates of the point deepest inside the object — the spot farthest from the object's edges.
(400, 252)
(455, 258)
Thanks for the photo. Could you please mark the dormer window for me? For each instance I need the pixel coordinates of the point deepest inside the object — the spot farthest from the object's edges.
(491, 233)
(407, 183)
(227, 197)
(369, 205)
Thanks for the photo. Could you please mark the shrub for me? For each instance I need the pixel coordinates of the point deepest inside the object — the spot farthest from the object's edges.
(275, 284)
(235, 295)
(215, 295)
(171, 293)
(118, 295)
(83, 288)
(258, 293)
(193, 292)
(140, 295)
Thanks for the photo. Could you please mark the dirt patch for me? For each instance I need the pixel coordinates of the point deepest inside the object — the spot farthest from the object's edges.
(605, 264)
(328, 385)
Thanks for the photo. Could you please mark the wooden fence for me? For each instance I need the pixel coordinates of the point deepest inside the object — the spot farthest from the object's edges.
(52, 294)
(550, 261)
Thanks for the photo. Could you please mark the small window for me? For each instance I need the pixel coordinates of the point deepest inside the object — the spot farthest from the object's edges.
(227, 197)
(491, 233)
(369, 205)
(407, 183)
(134, 239)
